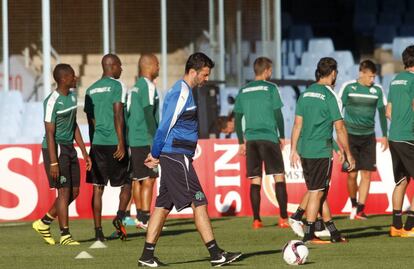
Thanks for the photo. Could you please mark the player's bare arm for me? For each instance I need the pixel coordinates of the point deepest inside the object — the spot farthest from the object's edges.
(119, 127)
(81, 144)
(297, 128)
(342, 135)
(51, 146)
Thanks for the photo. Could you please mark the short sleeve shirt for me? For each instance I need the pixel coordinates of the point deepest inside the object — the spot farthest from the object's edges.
(257, 101)
(140, 97)
(361, 103)
(319, 107)
(99, 101)
(61, 110)
(401, 96)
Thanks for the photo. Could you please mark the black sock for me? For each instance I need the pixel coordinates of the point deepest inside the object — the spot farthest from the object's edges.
(309, 231)
(298, 215)
(148, 251)
(64, 231)
(319, 226)
(282, 197)
(128, 213)
(255, 200)
(139, 214)
(213, 248)
(330, 225)
(354, 202)
(360, 208)
(397, 219)
(145, 216)
(47, 219)
(409, 223)
(120, 214)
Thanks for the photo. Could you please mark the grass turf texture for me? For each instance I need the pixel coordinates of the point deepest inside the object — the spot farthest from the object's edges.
(180, 246)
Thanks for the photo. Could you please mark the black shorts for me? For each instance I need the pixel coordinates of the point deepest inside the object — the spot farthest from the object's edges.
(363, 149)
(317, 173)
(179, 184)
(267, 152)
(402, 154)
(69, 171)
(139, 170)
(105, 167)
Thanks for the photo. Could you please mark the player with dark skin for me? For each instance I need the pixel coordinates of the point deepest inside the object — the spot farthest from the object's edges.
(65, 80)
(111, 66)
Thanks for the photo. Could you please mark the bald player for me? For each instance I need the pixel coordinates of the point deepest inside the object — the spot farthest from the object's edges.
(142, 114)
(104, 107)
(59, 155)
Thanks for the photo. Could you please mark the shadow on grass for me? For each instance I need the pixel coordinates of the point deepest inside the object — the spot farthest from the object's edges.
(142, 234)
(366, 234)
(242, 258)
(359, 229)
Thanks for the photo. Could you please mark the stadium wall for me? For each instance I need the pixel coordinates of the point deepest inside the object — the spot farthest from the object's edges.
(25, 194)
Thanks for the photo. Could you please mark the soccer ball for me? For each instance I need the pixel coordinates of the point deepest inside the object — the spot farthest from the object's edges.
(295, 252)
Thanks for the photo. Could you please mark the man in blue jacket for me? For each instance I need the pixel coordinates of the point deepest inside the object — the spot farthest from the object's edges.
(173, 148)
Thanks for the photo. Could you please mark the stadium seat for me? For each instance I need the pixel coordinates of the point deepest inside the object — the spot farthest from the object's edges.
(301, 32)
(298, 47)
(227, 94)
(292, 62)
(311, 59)
(288, 96)
(353, 71)
(344, 58)
(321, 45)
(341, 79)
(399, 44)
(384, 34)
(305, 72)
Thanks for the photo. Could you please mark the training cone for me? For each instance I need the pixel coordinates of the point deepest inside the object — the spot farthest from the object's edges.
(98, 244)
(84, 255)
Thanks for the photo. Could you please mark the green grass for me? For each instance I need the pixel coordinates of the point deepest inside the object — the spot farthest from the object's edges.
(180, 246)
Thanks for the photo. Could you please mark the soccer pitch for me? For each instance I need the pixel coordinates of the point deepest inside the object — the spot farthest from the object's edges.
(180, 246)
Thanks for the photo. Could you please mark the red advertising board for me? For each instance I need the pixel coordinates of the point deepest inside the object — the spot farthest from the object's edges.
(25, 194)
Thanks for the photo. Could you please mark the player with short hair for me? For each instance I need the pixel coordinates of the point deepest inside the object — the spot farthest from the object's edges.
(260, 104)
(361, 98)
(317, 111)
(104, 105)
(400, 110)
(59, 154)
(173, 147)
(142, 107)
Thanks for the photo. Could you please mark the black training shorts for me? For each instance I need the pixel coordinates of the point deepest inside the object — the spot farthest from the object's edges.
(363, 149)
(317, 173)
(402, 154)
(69, 171)
(105, 167)
(139, 170)
(179, 184)
(267, 152)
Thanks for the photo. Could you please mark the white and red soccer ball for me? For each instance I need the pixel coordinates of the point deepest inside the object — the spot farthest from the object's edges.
(295, 252)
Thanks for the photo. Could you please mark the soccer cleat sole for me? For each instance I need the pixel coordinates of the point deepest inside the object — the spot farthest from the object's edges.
(44, 232)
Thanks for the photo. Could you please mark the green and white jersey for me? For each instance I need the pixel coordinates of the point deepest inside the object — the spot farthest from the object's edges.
(257, 101)
(99, 101)
(401, 96)
(360, 103)
(141, 96)
(319, 107)
(61, 110)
